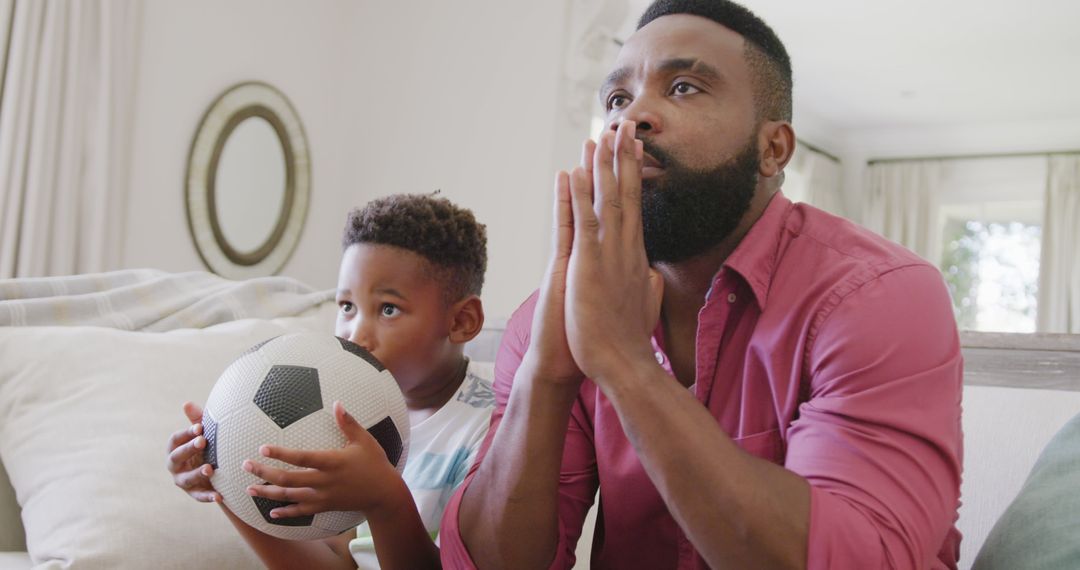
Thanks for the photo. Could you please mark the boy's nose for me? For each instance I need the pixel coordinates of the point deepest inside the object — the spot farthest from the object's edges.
(362, 338)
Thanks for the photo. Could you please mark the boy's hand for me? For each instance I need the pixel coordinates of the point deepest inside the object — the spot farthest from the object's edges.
(357, 477)
(185, 459)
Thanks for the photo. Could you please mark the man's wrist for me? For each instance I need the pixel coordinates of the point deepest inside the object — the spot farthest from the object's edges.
(625, 370)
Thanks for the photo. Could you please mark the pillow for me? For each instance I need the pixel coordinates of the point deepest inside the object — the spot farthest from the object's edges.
(85, 415)
(1041, 528)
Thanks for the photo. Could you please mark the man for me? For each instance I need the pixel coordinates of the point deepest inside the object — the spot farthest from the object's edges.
(781, 389)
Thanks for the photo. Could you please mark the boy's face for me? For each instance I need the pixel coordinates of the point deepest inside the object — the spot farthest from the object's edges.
(390, 304)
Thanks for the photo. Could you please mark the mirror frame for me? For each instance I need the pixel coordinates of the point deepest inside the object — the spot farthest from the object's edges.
(237, 104)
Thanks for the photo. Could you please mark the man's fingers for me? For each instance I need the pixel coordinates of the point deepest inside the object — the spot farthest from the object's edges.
(587, 151)
(585, 222)
(563, 229)
(628, 172)
(607, 203)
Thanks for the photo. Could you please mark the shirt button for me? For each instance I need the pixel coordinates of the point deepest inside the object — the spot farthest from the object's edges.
(659, 357)
(731, 298)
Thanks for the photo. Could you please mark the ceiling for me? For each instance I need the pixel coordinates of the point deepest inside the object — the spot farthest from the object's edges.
(915, 63)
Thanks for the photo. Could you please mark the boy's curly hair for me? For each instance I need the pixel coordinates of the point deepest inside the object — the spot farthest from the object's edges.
(447, 236)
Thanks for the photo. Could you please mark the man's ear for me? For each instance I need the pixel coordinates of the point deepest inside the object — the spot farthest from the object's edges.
(467, 318)
(778, 142)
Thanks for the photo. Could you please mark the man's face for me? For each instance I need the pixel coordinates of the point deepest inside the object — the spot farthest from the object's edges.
(685, 81)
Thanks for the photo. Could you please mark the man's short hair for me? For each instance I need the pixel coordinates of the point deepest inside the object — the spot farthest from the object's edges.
(770, 66)
(448, 237)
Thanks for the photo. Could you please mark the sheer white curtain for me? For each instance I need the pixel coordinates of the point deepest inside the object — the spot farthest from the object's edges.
(901, 203)
(65, 132)
(815, 179)
(1059, 267)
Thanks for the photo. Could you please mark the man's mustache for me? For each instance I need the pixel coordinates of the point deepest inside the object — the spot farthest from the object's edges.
(656, 152)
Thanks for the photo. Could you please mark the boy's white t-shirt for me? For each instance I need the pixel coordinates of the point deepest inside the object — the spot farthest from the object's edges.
(441, 450)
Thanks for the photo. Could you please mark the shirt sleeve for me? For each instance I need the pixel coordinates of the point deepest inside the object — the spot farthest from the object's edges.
(578, 477)
(879, 438)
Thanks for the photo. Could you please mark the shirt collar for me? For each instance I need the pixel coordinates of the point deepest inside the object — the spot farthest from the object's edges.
(754, 259)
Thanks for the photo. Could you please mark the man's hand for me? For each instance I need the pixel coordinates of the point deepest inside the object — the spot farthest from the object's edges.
(549, 354)
(185, 459)
(612, 296)
(357, 477)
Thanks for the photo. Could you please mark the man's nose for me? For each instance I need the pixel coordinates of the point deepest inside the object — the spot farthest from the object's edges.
(642, 111)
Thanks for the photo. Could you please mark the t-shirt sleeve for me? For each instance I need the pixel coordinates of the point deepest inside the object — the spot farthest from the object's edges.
(578, 479)
(879, 438)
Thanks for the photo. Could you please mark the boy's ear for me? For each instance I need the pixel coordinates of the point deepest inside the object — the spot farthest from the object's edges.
(467, 319)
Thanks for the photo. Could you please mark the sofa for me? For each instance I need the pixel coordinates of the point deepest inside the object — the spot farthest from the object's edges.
(93, 376)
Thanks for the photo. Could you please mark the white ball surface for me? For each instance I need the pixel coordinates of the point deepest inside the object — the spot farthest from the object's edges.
(282, 392)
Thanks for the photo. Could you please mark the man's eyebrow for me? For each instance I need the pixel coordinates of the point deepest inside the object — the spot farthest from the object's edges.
(614, 78)
(693, 65)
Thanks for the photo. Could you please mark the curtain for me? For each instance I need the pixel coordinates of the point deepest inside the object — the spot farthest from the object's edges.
(65, 134)
(817, 182)
(1059, 266)
(901, 204)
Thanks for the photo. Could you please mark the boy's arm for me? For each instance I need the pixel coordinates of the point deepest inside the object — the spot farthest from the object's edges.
(401, 541)
(354, 478)
(330, 553)
(191, 474)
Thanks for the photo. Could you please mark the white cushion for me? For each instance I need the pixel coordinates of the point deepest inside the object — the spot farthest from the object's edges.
(85, 414)
(1004, 431)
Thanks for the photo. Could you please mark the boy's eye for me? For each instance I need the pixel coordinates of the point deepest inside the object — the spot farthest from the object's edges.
(389, 310)
(346, 307)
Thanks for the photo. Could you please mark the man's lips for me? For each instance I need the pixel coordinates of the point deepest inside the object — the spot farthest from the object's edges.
(650, 167)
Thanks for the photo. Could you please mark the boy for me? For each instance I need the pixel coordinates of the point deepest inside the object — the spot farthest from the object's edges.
(408, 292)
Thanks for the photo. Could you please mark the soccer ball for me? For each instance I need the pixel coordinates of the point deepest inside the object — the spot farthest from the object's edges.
(282, 392)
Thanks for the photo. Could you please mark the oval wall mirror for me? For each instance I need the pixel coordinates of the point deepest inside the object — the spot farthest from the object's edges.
(248, 182)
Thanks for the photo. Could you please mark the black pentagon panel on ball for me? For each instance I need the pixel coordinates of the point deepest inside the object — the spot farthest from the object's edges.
(289, 393)
(209, 428)
(386, 433)
(362, 353)
(266, 505)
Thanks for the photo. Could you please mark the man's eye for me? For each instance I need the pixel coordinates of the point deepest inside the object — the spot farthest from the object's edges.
(684, 88)
(346, 307)
(617, 101)
(389, 310)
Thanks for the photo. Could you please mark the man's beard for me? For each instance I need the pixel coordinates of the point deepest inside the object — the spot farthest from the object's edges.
(686, 212)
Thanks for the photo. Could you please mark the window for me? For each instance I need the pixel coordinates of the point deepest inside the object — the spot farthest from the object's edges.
(992, 271)
(991, 216)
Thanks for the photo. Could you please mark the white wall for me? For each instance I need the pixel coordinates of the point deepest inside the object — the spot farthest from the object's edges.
(394, 97)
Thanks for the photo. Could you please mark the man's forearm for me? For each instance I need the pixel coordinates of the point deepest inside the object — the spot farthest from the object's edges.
(509, 513)
(739, 511)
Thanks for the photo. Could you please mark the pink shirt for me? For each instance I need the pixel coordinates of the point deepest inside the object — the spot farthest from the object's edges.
(821, 347)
